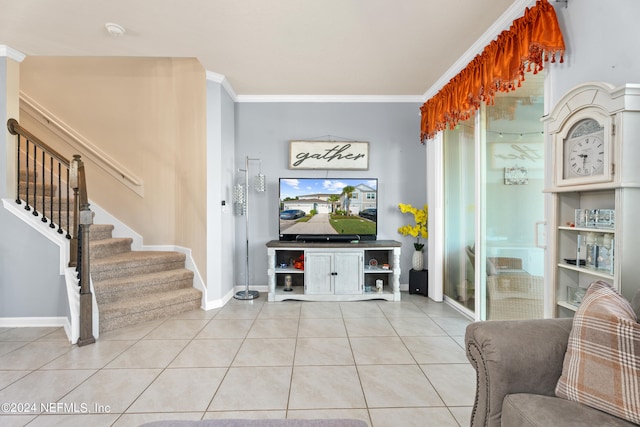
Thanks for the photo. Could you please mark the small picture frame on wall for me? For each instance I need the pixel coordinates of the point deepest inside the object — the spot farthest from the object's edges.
(516, 175)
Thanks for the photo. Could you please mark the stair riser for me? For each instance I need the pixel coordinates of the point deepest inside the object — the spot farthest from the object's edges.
(57, 201)
(140, 290)
(47, 189)
(112, 248)
(99, 234)
(109, 324)
(113, 271)
(23, 175)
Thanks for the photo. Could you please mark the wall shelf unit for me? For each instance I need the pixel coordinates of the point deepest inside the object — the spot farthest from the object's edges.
(594, 180)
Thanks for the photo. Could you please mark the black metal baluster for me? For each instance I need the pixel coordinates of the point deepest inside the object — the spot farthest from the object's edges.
(51, 224)
(27, 207)
(60, 204)
(44, 205)
(79, 255)
(68, 236)
(35, 180)
(18, 201)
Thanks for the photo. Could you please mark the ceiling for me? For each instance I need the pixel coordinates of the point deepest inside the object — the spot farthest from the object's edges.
(268, 48)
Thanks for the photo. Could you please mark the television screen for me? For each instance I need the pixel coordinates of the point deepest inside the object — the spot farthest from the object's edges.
(328, 209)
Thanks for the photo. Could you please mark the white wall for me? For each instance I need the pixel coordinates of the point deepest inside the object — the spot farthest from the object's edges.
(220, 236)
(602, 41)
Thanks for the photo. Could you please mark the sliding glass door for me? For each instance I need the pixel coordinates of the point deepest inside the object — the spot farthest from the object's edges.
(459, 214)
(493, 208)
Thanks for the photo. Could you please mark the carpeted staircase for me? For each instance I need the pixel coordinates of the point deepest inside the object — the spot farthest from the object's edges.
(130, 286)
(136, 286)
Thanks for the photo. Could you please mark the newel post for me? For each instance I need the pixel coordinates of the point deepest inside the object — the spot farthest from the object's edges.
(85, 219)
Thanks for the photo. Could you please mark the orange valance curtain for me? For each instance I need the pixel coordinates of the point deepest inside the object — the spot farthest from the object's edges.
(529, 42)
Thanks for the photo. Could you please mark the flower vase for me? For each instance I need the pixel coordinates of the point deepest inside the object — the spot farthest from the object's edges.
(417, 262)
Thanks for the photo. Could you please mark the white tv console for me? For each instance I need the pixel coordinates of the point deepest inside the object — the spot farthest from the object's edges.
(334, 271)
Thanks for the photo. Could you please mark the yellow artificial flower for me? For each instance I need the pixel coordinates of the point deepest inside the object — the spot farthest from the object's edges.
(419, 230)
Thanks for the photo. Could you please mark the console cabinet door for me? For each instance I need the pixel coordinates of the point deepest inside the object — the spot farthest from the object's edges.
(318, 273)
(348, 273)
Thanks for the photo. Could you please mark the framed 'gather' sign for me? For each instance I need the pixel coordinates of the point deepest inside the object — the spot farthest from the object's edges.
(348, 155)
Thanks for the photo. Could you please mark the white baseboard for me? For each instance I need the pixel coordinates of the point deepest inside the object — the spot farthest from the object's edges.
(38, 322)
(33, 322)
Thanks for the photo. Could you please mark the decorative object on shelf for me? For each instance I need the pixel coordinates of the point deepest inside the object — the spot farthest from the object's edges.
(592, 251)
(583, 148)
(599, 251)
(373, 263)
(604, 261)
(379, 285)
(299, 263)
(575, 295)
(287, 283)
(421, 217)
(241, 207)
(595, 218)
(417, 260)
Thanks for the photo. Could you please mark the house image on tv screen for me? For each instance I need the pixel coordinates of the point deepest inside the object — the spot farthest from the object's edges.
(363, 197)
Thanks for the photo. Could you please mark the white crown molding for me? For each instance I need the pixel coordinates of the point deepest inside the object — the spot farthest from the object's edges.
(331, 98)
(514, 12)
(11, 53)
(222, 80)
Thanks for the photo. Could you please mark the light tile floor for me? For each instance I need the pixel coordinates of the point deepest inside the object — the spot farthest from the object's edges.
(388, 363)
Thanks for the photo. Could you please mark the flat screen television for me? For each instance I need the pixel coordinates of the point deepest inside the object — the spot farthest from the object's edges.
(328, 209)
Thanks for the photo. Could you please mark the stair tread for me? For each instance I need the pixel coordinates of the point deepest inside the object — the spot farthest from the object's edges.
(110, 240)
(148, 278)
(160, 299)
(101, 227)
(136, 257)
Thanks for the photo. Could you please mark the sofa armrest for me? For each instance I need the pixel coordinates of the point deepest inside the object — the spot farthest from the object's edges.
(514, 356)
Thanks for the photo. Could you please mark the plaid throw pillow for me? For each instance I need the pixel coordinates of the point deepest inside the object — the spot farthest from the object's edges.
(601, 368)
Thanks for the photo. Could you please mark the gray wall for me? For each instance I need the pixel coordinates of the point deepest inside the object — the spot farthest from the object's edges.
(35, 288)
(3, 118)
(397, 159)
(30, 280)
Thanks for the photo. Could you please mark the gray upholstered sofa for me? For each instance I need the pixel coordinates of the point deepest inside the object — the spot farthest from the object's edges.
(518, 364)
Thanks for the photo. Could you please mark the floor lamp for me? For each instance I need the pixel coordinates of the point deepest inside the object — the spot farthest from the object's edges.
(241, 207)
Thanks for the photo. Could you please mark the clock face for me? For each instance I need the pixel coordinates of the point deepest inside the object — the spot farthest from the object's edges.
(586, 156)
(584, 150)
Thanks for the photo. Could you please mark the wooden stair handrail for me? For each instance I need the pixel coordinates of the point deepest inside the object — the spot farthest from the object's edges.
(15, 129)
(79, 256)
